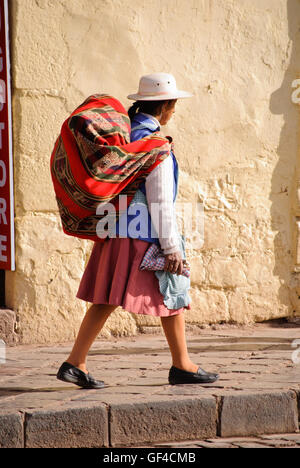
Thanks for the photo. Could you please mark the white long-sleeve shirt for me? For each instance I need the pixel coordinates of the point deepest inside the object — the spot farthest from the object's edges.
(159, 193)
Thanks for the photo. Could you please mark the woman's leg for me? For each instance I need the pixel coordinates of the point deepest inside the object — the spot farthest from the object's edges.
(174, 328)
(91, 326)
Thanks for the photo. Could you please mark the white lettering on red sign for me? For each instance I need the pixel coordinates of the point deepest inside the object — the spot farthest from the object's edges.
(7, 254)
(2, 127)
(3, 211)
(2, 94)
(3, 241)
(2, 173)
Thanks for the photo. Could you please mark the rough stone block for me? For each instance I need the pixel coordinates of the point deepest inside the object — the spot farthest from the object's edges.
(258, 304)
(67, 428)
(219, 233)
(239, 162)
(7, 327)
(120, 323)
(252, 414)
(207, 306)
(164, 420)
(198, 270)
(44, 287)
(11, 430)
(33, 68)
(226, 272)
(33, 150)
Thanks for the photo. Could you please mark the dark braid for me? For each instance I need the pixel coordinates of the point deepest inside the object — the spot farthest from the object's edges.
(133, 109)
(148, 107)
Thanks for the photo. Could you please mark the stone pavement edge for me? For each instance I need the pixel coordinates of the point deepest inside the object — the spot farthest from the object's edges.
(258, 394)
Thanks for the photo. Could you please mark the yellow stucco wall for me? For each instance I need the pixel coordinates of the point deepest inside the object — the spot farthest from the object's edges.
(237, 143)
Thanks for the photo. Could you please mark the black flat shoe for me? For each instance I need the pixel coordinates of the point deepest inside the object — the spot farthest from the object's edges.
(71, 374)
(179, 376)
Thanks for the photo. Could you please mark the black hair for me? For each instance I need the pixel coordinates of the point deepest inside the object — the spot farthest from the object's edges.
(148, 107)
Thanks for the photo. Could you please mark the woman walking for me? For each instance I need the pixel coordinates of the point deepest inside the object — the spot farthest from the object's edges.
(112, 277)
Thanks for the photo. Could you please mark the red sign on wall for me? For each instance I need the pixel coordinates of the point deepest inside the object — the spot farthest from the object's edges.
(7, 253)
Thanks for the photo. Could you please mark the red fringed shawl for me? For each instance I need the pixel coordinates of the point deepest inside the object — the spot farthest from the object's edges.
(93, 162)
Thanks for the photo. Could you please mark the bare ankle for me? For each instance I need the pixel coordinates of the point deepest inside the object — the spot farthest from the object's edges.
(79, 365)
(187, 365)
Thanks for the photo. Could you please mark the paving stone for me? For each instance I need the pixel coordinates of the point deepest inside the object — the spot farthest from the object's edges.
(276, 443)
(233, 440)
(290, 437)
(11, 430)
(191, 389)
(162, 420)
(259, 414)
(67, 428)
(135, 370)
(241, 442)
(251, 445)
(213, 445)
(176, 444)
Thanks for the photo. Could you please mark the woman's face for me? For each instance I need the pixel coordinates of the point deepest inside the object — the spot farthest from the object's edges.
(168, 110)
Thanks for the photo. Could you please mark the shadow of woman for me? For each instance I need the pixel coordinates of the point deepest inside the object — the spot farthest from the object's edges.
(285, 209)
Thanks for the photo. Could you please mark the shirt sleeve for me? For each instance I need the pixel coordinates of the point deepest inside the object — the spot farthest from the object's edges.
(159, 193)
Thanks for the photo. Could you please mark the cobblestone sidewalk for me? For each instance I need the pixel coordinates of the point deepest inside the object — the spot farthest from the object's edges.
(257, 394)
(263, 441)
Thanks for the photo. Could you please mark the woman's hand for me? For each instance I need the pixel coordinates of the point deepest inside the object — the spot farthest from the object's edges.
(174, 263)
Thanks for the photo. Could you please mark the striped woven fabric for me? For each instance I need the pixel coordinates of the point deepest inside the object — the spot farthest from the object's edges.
(154, 260)
(93, 162)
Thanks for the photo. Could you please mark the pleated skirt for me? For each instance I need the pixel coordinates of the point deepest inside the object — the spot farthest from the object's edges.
(112, 276)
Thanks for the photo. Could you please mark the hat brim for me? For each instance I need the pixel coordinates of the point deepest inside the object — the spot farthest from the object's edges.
(160, 97)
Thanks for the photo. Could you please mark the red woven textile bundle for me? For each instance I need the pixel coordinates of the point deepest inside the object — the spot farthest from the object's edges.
(93, 162)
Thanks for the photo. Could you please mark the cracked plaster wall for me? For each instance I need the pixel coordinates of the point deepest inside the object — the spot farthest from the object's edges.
(236, 142)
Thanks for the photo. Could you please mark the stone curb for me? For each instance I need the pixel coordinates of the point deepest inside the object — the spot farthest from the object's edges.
(69, 428)
(266, 413)
(161, 420)
(12, 430)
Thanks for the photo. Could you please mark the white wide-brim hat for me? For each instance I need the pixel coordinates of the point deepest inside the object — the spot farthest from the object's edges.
(158, 87)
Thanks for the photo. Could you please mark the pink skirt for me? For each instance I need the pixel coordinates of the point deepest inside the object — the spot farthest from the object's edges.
(112, 276)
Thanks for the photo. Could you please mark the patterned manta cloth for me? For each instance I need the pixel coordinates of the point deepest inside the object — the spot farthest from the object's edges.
(154, 259)
(174, 288)
(93, 162)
